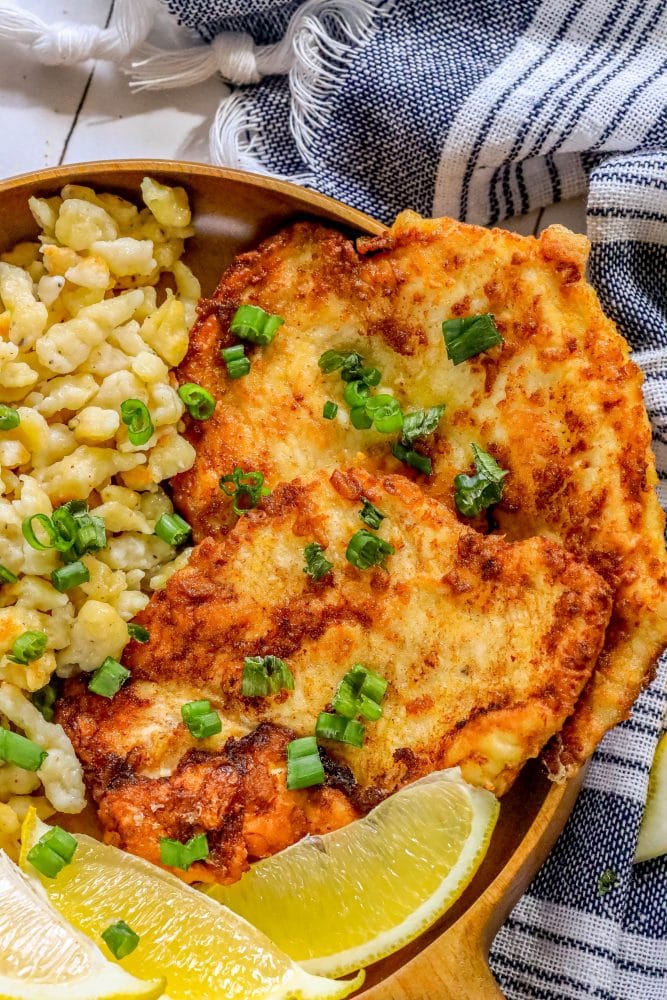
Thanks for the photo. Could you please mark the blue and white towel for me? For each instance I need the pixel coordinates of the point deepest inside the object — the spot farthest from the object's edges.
(479, 109)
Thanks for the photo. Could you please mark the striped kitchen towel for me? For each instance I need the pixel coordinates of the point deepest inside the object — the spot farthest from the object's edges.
(479, 109)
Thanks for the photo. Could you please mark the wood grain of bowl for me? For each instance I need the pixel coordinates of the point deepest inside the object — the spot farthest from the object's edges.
(231, 212)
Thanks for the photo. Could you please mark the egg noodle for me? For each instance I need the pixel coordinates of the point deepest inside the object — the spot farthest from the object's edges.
(92, 315)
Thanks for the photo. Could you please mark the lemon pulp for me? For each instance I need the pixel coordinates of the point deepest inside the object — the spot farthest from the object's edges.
(653, 833)
(205, 951)
(350, 897)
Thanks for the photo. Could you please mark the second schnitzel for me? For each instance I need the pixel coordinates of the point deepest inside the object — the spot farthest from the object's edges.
(484, 647)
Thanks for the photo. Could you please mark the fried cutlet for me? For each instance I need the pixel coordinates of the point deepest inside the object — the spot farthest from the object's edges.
(558, 404)
(485, 645)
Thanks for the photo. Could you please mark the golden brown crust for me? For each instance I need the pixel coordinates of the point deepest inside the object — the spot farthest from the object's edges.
(486, 646)
(559, 405)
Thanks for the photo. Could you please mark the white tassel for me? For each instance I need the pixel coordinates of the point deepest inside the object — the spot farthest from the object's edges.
(308, 52)
(236, 138)
(59, 44)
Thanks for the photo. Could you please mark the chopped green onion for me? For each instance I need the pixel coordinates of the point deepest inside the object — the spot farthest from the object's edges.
(352, 367)
(420, 423)
(254, 324)
(29, 532)
(138, 632)
(199, 402)
(233, 353)
(385, 412)
(244, 486)
(6, 575)
(412, 458)
(44, 699)
(80, 531)
(19, 750)
(120, 939)
(237, 363)
(53, 852)
(329, 410)
(109, 678)
(28, 646)
(370, 514)
(73, 575)
(265, 675)
(335, 727)
(476, 493)
(66, 528)
(360, 418)
(371, 376)
(179, 855)
(359, 693)
(9, 417)
(365, 550)
(331, 361)
(173, 529)
(317, 565)
(356, 393)
(470, 335)
(304, 765)
(137, 419)
(606, 881)
(201, 719)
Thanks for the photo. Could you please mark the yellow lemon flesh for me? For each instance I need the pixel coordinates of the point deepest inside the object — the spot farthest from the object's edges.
(653, 834)
(43, 958)
(202, 949)
(346, 899)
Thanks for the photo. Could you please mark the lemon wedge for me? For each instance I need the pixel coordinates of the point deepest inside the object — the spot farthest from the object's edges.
(653, 833)
(348, 898)
(43, 958)
(204, 951)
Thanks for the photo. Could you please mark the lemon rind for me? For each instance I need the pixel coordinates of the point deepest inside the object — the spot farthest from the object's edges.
(652, 842)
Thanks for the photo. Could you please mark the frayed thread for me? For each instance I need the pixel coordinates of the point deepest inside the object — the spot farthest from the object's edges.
(59, 44)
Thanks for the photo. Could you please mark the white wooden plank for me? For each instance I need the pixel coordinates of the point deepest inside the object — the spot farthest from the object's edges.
(167, 124)
(39, 102)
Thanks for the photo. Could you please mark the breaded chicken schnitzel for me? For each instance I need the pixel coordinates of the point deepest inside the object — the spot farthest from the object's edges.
(558, 404)
(485, 646)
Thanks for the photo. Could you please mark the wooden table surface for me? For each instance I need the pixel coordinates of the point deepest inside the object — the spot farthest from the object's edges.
(53, 115)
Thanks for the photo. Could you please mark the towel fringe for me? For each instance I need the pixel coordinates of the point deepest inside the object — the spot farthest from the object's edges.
(60, 44)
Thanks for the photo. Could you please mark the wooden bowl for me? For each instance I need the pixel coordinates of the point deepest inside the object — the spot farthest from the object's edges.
(232, 211)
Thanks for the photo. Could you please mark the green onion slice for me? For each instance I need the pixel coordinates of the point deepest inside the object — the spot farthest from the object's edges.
(29, 532)
(265, 675)
(201, 720)
(6, 575)
(44, 699)
(317, 565)
(360, 419)
(138, 632)
(53, 852)
(385, 412)
(179, 855)
(304, 765)
(356, 393)
(27, 647)
(237, 363)
(173, 529)
(246, 488)
(199, 402)
(254, 324)
(19, 750)
(412, 458)
(370, 514)
(365, 550)
(359, 693)
(329, 410)
(233, 353)
(476, 493)
(335, 727)
(137, 419)
(470, 335)
(420, 424)
(69, 576)
(120, 939)
(9, 417)
(109, 678)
